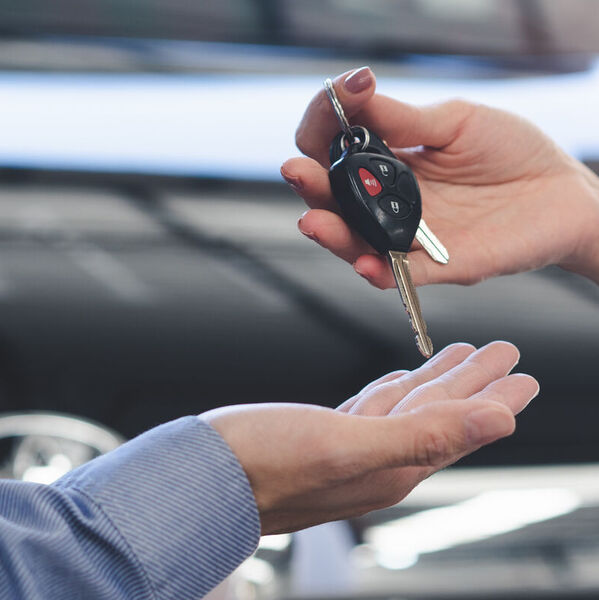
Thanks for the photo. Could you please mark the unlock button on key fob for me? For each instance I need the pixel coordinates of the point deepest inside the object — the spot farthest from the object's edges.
(395, 206)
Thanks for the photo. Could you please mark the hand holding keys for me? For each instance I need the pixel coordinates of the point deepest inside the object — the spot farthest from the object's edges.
(380, 199)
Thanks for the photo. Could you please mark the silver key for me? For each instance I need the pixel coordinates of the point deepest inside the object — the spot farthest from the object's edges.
(403, 279)
(429, 241)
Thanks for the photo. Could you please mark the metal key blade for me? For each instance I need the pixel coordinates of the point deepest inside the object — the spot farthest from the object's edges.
(430, 242)
(401, 271)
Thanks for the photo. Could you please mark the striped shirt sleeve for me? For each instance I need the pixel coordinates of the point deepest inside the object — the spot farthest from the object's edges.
(167, 515)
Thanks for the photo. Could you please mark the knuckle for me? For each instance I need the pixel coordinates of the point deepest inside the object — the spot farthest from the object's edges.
(433, 391)
(303, 139)
(432, 448)
(468, 278)
(467, 376)
(400, 386)
(464, 279)
(383, 398)
(373, 407)
(397, 375)
(460, 347)
(381, 501)
(475, 370)
(459, 113)
(300, 140)
(461, 106)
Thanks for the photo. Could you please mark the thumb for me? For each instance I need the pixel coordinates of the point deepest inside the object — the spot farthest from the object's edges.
(404, 125)
(319, 124)
(435, 434)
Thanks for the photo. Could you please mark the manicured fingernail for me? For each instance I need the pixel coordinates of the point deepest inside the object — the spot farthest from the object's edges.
(360, 272)
(293, 180)
(359, 80)
(308, 234)
(485, 425)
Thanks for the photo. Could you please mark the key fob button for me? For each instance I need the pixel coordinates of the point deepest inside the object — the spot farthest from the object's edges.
(395, 207)
(371, 184)
(385, 170)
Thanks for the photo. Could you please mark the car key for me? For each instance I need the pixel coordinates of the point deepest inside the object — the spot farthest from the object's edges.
(427, 239)
(385, 209)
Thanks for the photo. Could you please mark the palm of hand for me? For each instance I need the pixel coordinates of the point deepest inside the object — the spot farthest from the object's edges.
(308, 465)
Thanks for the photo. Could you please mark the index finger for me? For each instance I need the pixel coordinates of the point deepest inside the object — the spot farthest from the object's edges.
(319, 124)
(401, 125)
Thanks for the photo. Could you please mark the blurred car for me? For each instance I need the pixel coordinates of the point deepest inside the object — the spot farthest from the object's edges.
(150, 266)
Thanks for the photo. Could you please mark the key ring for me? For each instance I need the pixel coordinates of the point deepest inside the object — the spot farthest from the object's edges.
(345, 144)
(349, 137)
(339, 113)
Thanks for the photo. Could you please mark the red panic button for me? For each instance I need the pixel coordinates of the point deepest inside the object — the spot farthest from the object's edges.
(370, 182)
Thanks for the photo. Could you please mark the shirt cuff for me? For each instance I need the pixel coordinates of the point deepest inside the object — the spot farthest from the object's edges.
(181, 500)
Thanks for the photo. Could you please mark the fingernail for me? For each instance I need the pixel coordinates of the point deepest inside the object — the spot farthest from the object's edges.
(293, 180)
(359, 80)
(360, 272)
(309, 234)
(485, 425)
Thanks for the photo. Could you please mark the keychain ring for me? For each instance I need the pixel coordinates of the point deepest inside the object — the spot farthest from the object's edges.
(345, 143)
(339, 112)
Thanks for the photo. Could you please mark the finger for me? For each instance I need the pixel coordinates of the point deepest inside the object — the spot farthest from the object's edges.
(514, 391)
(381, 398)
(319, 124)
(435, 366)
(491, 362)
(432, 435)
(404, 125)
(350, 402)
(331, 231)
(462, 268)
(376, 270)
(310, 181)
(424, 270)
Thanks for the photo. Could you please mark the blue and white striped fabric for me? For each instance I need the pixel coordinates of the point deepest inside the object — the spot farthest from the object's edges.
(167, 515)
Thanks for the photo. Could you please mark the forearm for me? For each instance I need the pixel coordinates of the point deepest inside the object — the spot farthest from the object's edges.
(167, 515)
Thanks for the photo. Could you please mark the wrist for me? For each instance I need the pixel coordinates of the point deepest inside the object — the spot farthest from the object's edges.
(584, 259)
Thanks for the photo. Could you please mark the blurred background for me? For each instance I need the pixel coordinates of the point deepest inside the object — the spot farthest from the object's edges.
(150, 264)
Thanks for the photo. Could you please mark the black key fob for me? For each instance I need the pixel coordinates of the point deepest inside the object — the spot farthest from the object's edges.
(377, 193)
